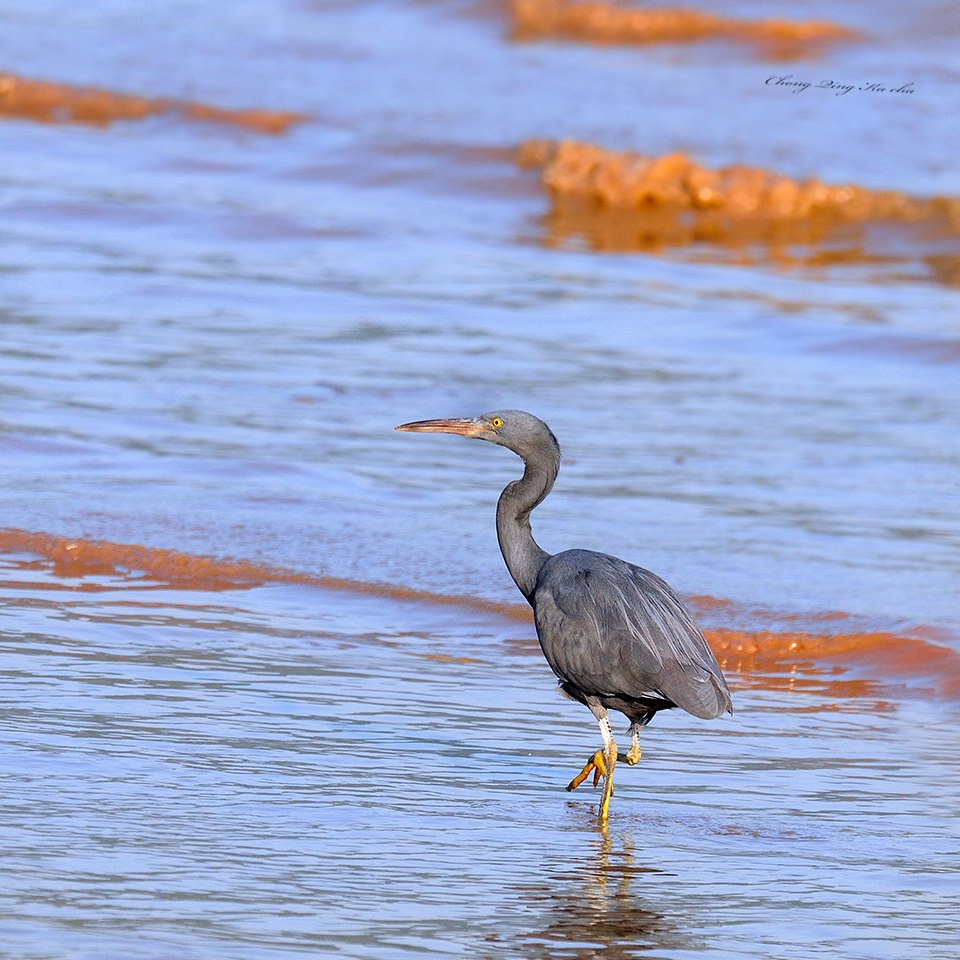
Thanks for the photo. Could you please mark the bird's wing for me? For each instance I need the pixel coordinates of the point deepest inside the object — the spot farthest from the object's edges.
(614, 628)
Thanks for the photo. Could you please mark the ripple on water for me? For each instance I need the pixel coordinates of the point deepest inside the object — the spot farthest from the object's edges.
(211, 334)
(275, 769)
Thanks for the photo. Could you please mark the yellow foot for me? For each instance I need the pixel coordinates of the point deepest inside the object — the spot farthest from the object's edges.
(597, 765)
(633, 755)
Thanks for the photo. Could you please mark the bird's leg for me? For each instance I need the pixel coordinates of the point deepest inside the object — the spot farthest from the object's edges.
(601, 764)
(632, 756)
(610, 758)
(597, 765)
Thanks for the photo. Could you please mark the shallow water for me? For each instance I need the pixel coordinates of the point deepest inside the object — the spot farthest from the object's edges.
(207, 336)
(267, 771)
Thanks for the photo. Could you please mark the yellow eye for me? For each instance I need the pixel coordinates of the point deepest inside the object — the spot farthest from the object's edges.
(496, 423)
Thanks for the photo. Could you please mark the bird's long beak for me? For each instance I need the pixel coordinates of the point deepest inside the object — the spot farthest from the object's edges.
(466, 427)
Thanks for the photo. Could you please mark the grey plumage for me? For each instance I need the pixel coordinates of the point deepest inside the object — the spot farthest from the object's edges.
(617, 632)
(616, 635)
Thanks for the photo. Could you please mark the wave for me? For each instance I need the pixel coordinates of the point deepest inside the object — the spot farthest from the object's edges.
(631, 202)
(603, 22)
(80, 557)
(804, 656)
(48, 102)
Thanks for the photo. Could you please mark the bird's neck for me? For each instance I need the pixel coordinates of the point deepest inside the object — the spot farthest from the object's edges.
(521, 553)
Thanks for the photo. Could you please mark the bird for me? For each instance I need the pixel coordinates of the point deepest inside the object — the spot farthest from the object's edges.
(616, 635)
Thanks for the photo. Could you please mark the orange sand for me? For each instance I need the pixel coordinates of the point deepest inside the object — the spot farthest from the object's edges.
(606, 22)
(61, 103)
(628, 201)
(774, 660)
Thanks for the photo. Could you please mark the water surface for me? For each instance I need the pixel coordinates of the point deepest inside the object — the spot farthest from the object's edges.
(268, 771)
(207, 336)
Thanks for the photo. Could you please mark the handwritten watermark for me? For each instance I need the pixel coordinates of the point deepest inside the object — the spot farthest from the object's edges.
(839, 89)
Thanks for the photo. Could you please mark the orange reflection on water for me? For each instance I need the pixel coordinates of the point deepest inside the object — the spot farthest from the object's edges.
(76, 558)
(821, 662)
(600, 21)
(61, 103)
(80, 557)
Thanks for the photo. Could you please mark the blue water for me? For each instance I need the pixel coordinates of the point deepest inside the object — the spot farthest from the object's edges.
(206, 337)
(283, 772)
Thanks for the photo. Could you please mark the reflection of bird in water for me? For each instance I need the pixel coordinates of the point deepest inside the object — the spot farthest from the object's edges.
(607, 913)
(616, 635)
(591, 910)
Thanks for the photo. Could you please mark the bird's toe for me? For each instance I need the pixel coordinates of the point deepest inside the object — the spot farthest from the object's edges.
(597, 765)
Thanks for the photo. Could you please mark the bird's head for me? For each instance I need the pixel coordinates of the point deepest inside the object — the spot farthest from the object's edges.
(523, 433)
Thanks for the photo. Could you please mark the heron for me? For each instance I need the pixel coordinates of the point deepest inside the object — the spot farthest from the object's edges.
(616, 635)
